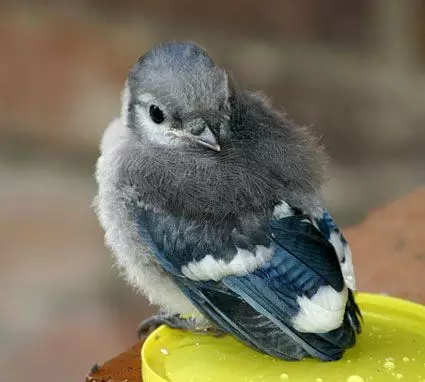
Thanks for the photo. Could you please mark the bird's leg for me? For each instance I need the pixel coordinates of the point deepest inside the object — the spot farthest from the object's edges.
(174, 321)
(213, 331)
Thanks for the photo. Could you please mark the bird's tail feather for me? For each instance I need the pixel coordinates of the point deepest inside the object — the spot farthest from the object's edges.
(238, 318)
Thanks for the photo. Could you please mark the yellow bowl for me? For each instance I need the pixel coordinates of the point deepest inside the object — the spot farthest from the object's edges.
(391, 348)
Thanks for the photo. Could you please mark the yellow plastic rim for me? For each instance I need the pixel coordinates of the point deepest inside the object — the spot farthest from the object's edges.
(391, 348)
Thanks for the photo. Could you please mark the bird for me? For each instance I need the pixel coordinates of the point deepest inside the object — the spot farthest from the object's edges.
(211, 202)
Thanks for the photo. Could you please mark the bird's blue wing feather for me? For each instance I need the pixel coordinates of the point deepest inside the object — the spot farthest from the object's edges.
(259, 307)
(331, 232)
(303, 262)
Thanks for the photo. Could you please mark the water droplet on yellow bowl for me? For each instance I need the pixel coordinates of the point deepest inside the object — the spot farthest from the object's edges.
(389, 365)
(355, 378)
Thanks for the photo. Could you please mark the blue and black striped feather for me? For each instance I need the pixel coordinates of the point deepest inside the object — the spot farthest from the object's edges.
(257, 308)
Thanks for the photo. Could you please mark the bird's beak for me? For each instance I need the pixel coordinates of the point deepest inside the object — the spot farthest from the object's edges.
(207, 139)
(199, 132)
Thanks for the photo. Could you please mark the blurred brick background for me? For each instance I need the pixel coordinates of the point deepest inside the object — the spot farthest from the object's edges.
(354, 70)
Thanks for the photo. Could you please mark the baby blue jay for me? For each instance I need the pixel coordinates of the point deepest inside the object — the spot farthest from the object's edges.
(210, 200)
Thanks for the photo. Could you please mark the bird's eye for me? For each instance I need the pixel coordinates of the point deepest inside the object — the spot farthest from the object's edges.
(156, 114)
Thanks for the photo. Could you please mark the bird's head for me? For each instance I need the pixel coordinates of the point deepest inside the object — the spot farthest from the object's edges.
(175, 95)
(197, 144)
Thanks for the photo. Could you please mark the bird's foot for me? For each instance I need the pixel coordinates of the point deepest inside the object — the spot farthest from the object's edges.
(174, 321)
(212, 331)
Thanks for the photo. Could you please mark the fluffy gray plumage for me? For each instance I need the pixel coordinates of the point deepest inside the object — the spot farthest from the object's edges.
(264, 157)
(209, 159)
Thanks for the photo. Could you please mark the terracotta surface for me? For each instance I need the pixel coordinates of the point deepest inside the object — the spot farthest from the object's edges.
(123, 368)
(389, 256)
(389, 249)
